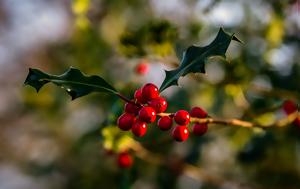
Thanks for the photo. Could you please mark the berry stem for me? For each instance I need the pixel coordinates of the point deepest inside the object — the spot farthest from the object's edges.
(128, 100)
(165, 114)
(124, 98)
(236, 122)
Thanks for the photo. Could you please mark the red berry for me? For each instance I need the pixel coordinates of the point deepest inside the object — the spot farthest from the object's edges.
(125, 160)
(125, 121)
(147, 114)
(139, 128)
(180, 133)
(198, 112)
(142, 68)
(159, 104)
(200, 128)
(289, 107)
(131, 108)
(150, 91)
(138, 96)
(296, 122)
(182, 117)
(165, 123)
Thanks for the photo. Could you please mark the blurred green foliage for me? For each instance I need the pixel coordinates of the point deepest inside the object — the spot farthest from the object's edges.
(109, 38)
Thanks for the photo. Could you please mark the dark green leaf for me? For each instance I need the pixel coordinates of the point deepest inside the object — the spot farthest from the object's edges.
(194, 58)
(73, 81)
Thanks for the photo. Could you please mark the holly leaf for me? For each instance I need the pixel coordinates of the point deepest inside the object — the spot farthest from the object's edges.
(194, 58)
(73, 81)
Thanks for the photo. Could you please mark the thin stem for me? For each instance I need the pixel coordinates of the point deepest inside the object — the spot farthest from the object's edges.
(128, 100)
(124, 98)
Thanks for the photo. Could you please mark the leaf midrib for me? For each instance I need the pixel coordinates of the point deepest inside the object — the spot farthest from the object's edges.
(80, 83)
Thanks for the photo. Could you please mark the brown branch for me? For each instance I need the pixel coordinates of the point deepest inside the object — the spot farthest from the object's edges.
(231, 122)
(240, 123)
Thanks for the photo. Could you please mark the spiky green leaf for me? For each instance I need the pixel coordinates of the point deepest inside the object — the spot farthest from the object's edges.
(73, 81)
(194, 58)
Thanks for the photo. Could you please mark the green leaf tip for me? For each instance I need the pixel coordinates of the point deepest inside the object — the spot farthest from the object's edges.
(32, 79)
(194, 58)
(73, 81)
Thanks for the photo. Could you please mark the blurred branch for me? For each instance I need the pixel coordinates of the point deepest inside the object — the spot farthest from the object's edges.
(279, 93)
(188, 169)
(240, 123)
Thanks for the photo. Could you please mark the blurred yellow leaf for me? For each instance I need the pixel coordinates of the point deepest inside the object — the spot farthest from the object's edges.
(231, 89)
(124, 143)
(266, 119)
(237, 93)
(258, 130)
(82, 22)
(240, 138)
(80, 7)
(275, 31)
(45, 97)
(205, 97)
(111, 28)
(109, 133)
(115, 139)
(162, 49)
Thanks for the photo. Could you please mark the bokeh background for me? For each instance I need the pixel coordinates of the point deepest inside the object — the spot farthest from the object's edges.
(48, 141)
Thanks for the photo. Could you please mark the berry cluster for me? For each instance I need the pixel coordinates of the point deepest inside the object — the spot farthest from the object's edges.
(147, 104)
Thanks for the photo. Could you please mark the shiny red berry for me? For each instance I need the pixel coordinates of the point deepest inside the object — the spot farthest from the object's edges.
(142, 68)
(131, 108)
(125, 121)
(165, 123)
(138, 96)
(182, 117)
(180, 133)
(147, 114)
(200, 128)
(150, 91)
(159, 104)
(198, 112)
(289, 107)
(125, 160)
(139, 128)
